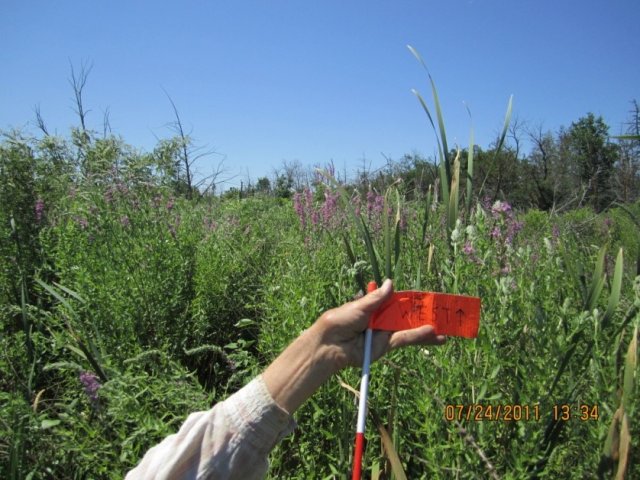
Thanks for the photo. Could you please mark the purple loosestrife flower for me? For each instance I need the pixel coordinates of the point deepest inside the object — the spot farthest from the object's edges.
(357, 204)
(315, 218)
(499, 208)
(91, 385)
(555, 233)
(39, 209)
(83, 222)
(378, 204)
(108, 195)
(468, 249)
(513, 228)
(371, 198)
(330, 207)
(298, 206)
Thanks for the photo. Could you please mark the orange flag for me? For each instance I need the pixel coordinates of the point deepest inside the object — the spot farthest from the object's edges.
(453, 315)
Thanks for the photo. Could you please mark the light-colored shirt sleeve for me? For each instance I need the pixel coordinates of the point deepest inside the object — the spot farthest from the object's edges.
(230, 441)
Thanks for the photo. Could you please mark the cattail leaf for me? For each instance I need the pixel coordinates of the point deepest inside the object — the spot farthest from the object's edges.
(373, 257)
(625, 444)
(427, 209)
(443, 155)
(470, 172)
(452, 216)
(432, 248)
(505, 127)
(387, 235)
(616, 287)
(630, 364)
(390, 452)
(428, 112)
(597, 281)
(396, 242)
(612, 442)
(436, 101)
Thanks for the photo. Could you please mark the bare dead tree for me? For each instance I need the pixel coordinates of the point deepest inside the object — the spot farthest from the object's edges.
(218, 177)
(40, 121)
(185, 141)
(106, 124)
(78, 82)
(515, 133)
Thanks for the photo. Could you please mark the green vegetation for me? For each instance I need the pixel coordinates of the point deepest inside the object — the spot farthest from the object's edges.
(129, 298)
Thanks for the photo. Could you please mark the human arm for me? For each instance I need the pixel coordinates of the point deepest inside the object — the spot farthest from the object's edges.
(234, 438)
(332, 343)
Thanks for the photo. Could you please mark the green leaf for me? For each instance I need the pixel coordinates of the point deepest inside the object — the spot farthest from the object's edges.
(470, 172)
(45, 424)
(505, 127)
(611, 442)
(245, 322)
(452, 216)
(630, 364)
(70, 292)
(625, 447)
(390, 452)
(373, 257)
(387, 236)
(597, 281)
(616, 287)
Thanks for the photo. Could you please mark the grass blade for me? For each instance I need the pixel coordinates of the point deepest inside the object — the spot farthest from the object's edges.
(597, 281)
(505, 127)
(470, 172)
(371, 251)
(392, 455)
(616, 287)
(427, 209)
(352, 259)
(625, 445)
(452, 216)
(386, 218)
(630, 364)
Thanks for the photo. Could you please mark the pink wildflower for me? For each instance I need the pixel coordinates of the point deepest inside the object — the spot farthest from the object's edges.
(39, 209)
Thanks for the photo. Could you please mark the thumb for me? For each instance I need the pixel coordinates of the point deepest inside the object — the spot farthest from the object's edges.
(374, 300)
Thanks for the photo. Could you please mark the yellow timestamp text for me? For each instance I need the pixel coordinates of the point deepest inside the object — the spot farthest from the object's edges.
(583, 412)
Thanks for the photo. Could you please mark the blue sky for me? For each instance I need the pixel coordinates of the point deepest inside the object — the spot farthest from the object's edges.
(264, 82)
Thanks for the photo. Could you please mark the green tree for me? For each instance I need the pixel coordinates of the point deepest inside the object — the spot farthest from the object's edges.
(263, 186)
(595, 157)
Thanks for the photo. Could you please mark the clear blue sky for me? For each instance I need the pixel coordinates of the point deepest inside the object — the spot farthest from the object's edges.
(266, 81)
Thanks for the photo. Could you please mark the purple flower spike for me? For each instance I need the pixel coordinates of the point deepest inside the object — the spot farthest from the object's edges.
(39, 208)
(91, 385)
(468, 249)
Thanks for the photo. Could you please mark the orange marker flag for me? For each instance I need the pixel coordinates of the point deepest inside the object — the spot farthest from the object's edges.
(453, 315)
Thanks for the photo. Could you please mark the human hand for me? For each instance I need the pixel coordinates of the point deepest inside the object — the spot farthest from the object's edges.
(340, 331)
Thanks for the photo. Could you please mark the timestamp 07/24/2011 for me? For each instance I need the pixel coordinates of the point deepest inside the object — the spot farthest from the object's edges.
(510, 412)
